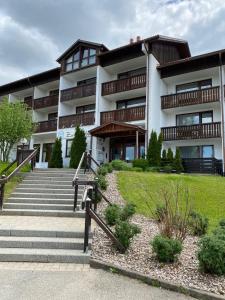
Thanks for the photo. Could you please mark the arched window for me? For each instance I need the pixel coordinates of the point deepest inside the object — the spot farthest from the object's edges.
(81, 58)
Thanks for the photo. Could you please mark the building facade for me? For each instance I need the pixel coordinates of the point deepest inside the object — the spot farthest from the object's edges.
(119, 96)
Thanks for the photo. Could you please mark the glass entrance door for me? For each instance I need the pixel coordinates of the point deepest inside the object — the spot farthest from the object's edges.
(129, 153)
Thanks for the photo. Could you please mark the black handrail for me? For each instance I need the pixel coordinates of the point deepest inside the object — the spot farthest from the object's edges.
(4, 179)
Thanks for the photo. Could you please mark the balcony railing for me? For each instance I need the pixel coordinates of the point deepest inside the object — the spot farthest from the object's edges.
(123, 115)
(122, 85)
(200, 131)
(78, 119)
(46, 126)
(46, 101)
(78, 92)
(191, 98)
(29, 103)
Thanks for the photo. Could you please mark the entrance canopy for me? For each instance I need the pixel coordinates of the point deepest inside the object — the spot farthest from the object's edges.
(116, 129)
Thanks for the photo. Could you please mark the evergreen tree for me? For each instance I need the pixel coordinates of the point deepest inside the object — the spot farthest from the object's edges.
(56, 160)
(169, 156)
(152, 150)
(159, 149)
(164, 158)
(178, 161)
(78, 147)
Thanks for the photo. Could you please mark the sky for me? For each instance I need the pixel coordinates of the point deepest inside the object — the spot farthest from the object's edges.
(33, 33)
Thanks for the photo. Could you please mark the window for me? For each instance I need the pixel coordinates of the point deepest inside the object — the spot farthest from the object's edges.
(86, 81)
(194, 86)
(130, 103)
(85, 108)
(132, 73)
(68, 147)
(81, 58)
(52, 116)
(54, 92)
(206, 151)
(195, 118)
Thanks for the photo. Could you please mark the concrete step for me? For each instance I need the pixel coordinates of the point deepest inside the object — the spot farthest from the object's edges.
(44, 195)
(43, 255)
(42, 242)
(44, 190)
(43, 213)
(41, 201)
(48, 185)
(43, 233)
(38, 206)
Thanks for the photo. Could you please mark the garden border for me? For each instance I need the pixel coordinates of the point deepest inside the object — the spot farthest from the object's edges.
(198, 294)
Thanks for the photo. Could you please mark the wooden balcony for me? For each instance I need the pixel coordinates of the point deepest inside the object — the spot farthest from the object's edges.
(46, 101)
(46, 126)
(191, 98)
(78, 92)
(77, 119)
(122, 85)
(123, 115)
(200, 131)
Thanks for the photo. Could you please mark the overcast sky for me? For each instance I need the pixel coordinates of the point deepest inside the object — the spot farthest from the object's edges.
(33, 33)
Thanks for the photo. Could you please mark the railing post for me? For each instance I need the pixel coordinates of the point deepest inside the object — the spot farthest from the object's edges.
(2, 191)
(85, 162)
(75, 194)
(95, 195)
(87, 224)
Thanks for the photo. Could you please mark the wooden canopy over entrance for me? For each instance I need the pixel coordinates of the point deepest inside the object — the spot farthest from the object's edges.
(116, 129)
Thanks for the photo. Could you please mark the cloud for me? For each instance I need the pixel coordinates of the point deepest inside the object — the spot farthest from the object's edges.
(34, 33)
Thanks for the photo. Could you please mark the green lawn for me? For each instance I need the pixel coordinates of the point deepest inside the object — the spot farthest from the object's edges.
(207, 192)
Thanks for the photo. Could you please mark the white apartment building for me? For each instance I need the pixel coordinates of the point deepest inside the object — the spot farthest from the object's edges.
(119, 96)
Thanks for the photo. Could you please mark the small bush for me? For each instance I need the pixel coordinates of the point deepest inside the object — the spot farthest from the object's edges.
(26, 168)
(153, 169)
(102, 183)
(167, 169)
(222, 223)
(125, 231)
(198, 223)
(120, 165)
(166, 249)
(136, 169)
(211, 255)
(102, 171)
(112, 214)
(140, 163)
(160, 212)
(127, 211)
(108, 166)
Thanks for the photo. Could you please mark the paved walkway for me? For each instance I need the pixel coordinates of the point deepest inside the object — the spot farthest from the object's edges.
(26, 281)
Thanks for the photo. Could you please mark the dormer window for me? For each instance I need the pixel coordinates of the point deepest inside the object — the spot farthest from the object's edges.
(82, 58)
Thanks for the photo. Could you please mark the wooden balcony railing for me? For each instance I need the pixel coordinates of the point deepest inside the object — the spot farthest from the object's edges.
(122, 85)
(78, 92)
(78, 119)
(123, 115)
(45, 126)
(200, 131)
(46, 101)
(191, 98)
(29, 103)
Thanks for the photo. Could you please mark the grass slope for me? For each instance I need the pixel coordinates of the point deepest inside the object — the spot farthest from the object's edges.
(207, 192)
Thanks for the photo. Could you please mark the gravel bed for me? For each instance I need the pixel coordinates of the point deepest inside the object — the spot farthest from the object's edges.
(140, 258)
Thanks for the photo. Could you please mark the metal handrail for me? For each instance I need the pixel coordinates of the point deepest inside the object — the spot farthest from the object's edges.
(78, 168)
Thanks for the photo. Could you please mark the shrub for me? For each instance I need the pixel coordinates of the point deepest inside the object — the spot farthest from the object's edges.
(222, 223)
(102, 183)
(120, 165)
(56, 160)
(154, 149)
(109, 167)
(112, 214)
(211, 255)
(26, 168)
(198, 223)
(166, 249)
(177, 164)
(140, 163)
(169, 156)
(78, 147)
(164, 158)
(136, 169)
(127, 211)
(160, 212)
(153, 169)
(102, 170)
(124, 231)
(167, 169)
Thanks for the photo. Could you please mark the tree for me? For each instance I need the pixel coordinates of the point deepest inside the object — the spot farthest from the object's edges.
(164, 158)
(78, 147)
(56, 160)
(15, 124)
(152, 150)
(177, 164)
(159, 149)
(169, 156)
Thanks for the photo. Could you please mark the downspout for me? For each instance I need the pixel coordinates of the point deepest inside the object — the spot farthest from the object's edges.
(222, 108)
(147, 98)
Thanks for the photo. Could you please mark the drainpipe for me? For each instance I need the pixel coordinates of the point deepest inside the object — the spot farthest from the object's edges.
(222, 107)
(147, 97)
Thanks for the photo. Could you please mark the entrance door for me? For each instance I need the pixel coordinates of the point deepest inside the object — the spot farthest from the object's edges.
(129, 152)
(117, 151)
(47, 152)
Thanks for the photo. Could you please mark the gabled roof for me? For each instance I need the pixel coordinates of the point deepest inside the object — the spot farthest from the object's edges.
(116, 129)
(79, 42)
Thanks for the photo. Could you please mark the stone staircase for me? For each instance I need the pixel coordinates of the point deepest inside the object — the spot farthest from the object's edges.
(38, 224)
